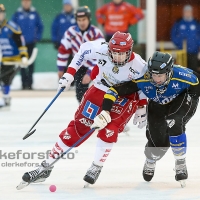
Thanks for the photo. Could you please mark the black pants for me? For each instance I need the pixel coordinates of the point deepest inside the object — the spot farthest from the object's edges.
(80, 88)
(192, 61)
(7, 73)
(27, 73)
(167, 120)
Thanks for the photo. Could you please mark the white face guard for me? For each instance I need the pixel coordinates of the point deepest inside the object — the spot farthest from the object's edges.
(119, 58)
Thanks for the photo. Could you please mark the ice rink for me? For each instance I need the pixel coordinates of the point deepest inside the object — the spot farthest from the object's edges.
(121, 177)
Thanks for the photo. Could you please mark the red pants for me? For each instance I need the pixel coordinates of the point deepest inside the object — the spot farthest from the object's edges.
(121, 112)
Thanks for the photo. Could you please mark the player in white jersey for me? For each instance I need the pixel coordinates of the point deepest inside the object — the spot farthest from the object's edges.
(73, 38)
(117, 64)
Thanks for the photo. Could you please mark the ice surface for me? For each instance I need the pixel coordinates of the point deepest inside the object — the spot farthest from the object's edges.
(121, 177)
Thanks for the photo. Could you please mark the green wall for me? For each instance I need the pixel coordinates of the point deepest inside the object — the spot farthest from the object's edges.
(47, 9)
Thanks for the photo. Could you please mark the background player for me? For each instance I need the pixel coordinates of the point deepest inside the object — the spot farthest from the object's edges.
(13, 49)
(76, 35)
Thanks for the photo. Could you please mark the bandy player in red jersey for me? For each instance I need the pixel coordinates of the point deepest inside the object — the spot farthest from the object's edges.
(117, 64)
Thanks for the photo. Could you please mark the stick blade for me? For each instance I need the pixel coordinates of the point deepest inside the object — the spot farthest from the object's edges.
(29, 134)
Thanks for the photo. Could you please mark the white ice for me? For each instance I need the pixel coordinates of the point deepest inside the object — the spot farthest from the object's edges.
(121, 177)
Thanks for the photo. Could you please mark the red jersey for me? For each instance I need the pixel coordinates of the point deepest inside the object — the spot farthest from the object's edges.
(118, 17)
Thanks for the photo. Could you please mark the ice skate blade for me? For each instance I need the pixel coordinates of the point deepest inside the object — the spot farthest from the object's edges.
(39, 180)
(182, 182)
(22, 185)
(86, 185)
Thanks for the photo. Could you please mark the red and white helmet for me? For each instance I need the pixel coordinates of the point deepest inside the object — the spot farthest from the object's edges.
(120, 43)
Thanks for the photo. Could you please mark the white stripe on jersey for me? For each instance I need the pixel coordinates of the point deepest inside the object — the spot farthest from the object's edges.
(72, 41)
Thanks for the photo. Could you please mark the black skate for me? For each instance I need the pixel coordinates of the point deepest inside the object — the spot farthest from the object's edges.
(7, 100)
(30, 177)
(181, 172)
(92, 174)
(148, 170)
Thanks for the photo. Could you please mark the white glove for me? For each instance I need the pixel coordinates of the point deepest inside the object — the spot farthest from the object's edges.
(140, 117)
(24, 61)
(101, 120)
(65, 81)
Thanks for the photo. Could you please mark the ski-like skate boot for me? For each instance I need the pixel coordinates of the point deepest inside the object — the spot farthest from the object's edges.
(92, 174)
(7, 100)
(30, 177)
(148, 170)
(181, 172)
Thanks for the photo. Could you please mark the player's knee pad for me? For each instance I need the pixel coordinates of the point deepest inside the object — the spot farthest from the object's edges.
(109, 134)
(155, 153)
(179, 145)
(70, 135)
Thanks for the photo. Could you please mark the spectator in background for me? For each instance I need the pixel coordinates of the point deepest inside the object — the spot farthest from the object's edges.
(62, 22)
(12, 49)
(32, 27)
(188, 29)
(117, 15)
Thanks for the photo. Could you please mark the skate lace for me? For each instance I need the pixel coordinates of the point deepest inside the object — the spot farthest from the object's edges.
(93, 171)
(181, 168)
(149, 168)
(34, 173)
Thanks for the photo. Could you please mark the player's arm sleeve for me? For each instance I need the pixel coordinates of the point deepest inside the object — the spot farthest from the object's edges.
(101, 15)
(136, 15)
(64, 51)
(175, 36)
(39, 28)
(14, 17)
(20, 42)
(194, 90)
(142, 98)
(54, 30)
(86, 52)
(118, 90)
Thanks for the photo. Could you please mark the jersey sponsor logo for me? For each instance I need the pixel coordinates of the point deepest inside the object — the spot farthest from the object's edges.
(85, 121)
(121, 101)
(66, 136)
(82, 57)
(90, 110)
(184, 74)
(176, 86)
(116, 109)
(188, 99)
(170, 122)
(133, 71)
(130, 108)
(147, 88)
(102, 62)
(109, 133)
(155, 157)
(169, 99)
(115, 70)
(130, 77)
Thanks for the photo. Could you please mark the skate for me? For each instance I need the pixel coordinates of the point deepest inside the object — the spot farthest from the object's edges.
(148, 170)
(181, 172)
(92, 174)
(30, 177)
(7, 100)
